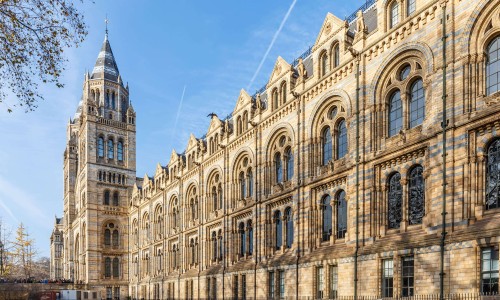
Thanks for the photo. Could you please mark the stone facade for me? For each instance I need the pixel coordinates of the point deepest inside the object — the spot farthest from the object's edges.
(56, 250)
(272, 201)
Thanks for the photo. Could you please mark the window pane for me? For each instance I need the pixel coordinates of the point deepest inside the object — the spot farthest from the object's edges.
(412, 6)
(395, 198)
(289, 164)
(416, 201)
(327, 218)
(492, 68)
(395, 114)
(493, 176)
(394, 14)
(387, 277)
(417, 104)
(341, 215)
(341, 140)
(407, 286)
(278, 168)
(111, 149)
(327, 146)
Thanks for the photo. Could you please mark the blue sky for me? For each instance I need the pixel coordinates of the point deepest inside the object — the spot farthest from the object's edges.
(207, 49)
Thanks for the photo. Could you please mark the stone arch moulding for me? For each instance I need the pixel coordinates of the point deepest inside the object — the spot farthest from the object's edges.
(470, 37)
(344, 99)
(212, 171)
(240, 153)
(418, 46)
(276, 131)
(192, 182)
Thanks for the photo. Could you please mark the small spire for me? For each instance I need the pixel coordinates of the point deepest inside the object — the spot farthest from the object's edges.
(106, 21)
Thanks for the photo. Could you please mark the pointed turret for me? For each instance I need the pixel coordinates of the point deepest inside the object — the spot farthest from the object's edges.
(105, 66)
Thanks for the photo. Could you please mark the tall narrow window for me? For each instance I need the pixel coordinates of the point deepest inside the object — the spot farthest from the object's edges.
(341, 215)
(407, 277)
(250, 183)
(106, 198)
(100, 147)
(271, 285)
(241, 230)
(493, 176)
(107, 237)
(417, 103)
(113, 101)
(394, 14)
(214, 198)
(289, 164)
(341, 139)
(115, 199)
(107, 99)
(281, 281)
(395, 114)
(119, 151)
(387, 277)
(278, 168)
(493, 66)
(395, 199)
(324, 64)
(416, 201)
(278, 230)
(250, 237)
(411, 7)
(243, 188)
(116, 238)
(336, 55)
(326, 208)
(333, 282)
(214, 246)
(289, 227)
(275, 98)
(116, 267)
(283, 92)
(327, 145)
(107, 267)
(111, 149)
(243, 287)
(489, 271)
(320, 282)
(221, 245)
(220, 196)
(235, 287)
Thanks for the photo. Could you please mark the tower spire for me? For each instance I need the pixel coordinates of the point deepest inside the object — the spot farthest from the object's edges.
(106, 21)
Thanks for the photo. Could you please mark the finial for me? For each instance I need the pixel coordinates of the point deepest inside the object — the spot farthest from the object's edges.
(106, 21)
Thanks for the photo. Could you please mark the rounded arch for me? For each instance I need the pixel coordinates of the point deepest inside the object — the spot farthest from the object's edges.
(414, 49)
(276, 133)
(212, 172)
(474, 36)
(331, 96)
(241, 153)
(192, 184)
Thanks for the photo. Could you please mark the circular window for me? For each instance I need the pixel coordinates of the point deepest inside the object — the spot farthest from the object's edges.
(404, 73)
(111, 225)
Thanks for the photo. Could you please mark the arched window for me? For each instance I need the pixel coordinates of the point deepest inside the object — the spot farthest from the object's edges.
(395, 201)
(341, 139)
(394, 14)
(113, 102)
(289, 164)
(220, 196)
(250, 237)
(493, 176)
(275, 98)
(239, 125)
(324, 64)
(106, 198)
(100, 147)
(341, 215)
(107, 267)
(416, 201)
(174, 257)
(214, 246)
(221, 244)
(214, 197)
(326, 209)
(327, 145)
(245, 121)
(411, 6)
(241, 231)
(116, 238)
(250, 183)
(278, 168)
(119, 151)
(115, 199)
(283, 92)
(107, 237)
(243, 188)
(395, 114)
(193, 250)
(111, 149)
(278, 229)
(336, 55)
(107, 99)
(116, 267)
(289, 227)
(417, 103)
(493, 66)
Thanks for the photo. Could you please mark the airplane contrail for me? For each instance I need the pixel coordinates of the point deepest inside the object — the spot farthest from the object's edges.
(179, 109)
(276, 34)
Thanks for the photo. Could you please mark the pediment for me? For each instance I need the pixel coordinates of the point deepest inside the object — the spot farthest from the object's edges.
(192, 142)
(159, 170)
(146, 180)
(173, 157)
(331, 25)
(281, 67)
(215, 124)
(244, 99)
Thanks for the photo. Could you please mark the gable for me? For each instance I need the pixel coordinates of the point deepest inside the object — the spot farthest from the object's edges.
(244, 99)
(330, 26)
(281, 67)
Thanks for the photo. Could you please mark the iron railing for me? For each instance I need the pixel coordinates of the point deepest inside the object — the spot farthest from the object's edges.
(363, 8)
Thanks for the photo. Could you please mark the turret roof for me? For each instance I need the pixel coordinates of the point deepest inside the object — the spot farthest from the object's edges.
(105, 65)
